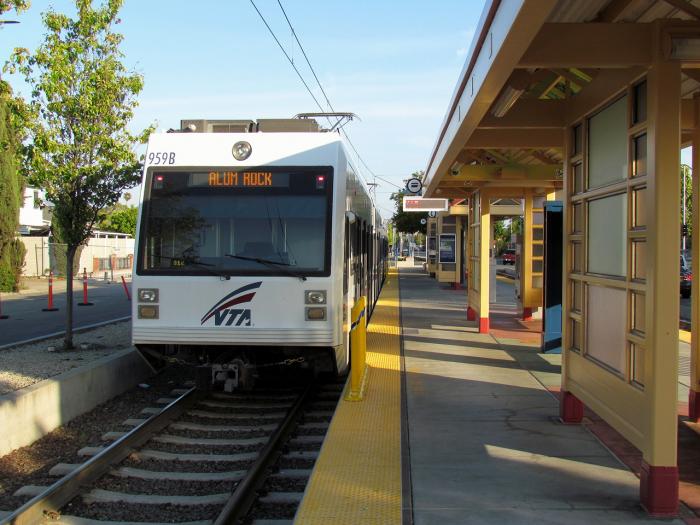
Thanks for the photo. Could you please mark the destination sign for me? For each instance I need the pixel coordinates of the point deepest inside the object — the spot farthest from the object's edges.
(239, 179)
(248, 179)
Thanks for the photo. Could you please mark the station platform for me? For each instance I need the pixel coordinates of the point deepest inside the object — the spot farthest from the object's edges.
(458, 427)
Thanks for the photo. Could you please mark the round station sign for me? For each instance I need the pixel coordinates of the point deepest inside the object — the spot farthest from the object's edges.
(423, 221)
(414, 185)
(432, 214)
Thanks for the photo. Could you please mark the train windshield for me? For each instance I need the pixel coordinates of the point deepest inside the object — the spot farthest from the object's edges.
(256, 221)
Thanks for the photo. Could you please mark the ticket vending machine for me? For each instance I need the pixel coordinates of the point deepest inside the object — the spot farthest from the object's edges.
(450, 242)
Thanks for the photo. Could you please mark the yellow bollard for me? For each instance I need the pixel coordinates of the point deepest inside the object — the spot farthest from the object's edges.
(358, 350)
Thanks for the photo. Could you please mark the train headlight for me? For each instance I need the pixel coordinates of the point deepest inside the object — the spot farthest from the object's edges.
(315, 297)
(242, 150)
(148, 295)
(148, 311)
(316, 313)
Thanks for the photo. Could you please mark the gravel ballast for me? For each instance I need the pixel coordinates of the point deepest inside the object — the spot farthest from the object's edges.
(30, 465)
(22, 366)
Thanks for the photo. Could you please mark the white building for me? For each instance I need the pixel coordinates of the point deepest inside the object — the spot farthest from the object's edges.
(34, 215)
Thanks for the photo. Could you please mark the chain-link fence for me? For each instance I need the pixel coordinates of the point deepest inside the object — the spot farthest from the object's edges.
(100, 258)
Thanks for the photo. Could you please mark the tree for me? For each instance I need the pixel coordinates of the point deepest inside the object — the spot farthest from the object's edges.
(11, 181)
(120, 218)
(17, 5)
(80, 152)
(407, 222)
(11, 190)
(687, 177)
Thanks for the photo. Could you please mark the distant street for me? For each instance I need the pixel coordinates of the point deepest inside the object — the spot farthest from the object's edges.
(27, 320)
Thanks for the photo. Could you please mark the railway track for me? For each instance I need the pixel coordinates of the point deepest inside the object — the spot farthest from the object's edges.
(203, 458)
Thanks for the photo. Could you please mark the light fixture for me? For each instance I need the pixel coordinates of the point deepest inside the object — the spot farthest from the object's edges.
(315, 297)
(685, 48)
(505, 101)
(241, 150)
(148, 295)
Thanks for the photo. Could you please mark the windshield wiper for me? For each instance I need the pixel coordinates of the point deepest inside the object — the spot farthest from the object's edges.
(267, 262)
(190, 262)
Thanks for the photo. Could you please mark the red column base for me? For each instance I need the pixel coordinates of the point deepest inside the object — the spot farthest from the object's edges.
(471, 314)
(483, 325)
(658, 490)
(527, 313)
(570, 408)
(694, 406)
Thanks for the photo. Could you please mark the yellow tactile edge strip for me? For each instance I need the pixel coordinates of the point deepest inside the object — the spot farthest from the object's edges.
(357, 477)
(684, 336)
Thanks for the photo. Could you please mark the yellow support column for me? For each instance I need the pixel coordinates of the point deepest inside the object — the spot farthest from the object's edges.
(526, 258)
(484, 232)
(358, 350)
(693, 395)
(659, 472)
(473, 258)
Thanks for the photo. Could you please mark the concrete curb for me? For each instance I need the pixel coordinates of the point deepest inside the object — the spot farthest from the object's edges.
(30, 413)
(53, 335)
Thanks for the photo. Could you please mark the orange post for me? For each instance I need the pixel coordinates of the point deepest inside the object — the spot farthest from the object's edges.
(50, 307)
(126, 289)
(85, 290)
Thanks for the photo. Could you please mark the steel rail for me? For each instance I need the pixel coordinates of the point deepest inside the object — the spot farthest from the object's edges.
(245, 493)
(48, 503)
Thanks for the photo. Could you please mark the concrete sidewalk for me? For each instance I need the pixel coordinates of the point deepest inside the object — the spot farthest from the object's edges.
(486, 445)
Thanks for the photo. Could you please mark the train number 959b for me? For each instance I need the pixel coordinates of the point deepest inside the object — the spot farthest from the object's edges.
(160, 158)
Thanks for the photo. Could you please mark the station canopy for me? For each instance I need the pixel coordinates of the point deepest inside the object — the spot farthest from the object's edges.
(535, 64)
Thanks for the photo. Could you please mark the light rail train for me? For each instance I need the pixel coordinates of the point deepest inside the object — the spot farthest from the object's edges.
(254, 241)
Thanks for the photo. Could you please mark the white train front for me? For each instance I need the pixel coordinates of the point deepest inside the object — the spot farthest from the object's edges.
(252, 248)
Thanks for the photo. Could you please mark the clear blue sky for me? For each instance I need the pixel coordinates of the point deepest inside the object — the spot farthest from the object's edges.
(394, 64)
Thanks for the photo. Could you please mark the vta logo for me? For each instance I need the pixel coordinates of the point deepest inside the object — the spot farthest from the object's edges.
(224, 314)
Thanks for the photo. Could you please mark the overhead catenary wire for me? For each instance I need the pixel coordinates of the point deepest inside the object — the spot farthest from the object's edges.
(286, 55)
(318, 82)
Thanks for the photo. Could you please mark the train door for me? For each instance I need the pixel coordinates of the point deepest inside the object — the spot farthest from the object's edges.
(348, 282)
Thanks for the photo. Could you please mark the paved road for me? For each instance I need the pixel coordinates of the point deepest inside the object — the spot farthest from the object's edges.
(28, 321)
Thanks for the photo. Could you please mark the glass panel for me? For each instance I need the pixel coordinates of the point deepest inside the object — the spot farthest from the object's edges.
(537, 281)
(537, 266)
(538, 234)
(607, 326)
(221, 222)
(538, 218)
(638, 312)
(577, 296)
(637, 364)
(578, 218)
(577, 257)
(639, 151)
(607, 235)
(578, 178)
(639, 260)
(538, 250)
(575, 336)
(578, 136)
(639, 112)
(607, 145)
(640, 210)
(538, 202)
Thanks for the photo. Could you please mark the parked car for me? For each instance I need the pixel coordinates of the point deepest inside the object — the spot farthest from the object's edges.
(508, 256)
(686, 279)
